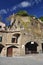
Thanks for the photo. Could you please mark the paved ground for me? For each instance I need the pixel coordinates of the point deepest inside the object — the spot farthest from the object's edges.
(22, 60)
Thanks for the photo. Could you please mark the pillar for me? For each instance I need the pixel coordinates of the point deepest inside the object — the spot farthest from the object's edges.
(22, 53)
(39, 48)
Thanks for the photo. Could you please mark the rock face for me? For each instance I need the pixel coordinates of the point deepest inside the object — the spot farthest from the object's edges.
(23, 36)
(26, 23)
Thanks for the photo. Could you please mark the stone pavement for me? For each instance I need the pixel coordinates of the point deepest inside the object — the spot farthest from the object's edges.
(22, 60)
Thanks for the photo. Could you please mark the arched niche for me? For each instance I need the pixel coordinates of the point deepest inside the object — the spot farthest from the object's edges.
(31, 47)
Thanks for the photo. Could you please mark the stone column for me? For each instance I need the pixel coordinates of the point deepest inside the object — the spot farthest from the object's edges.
(5, 51)
(39, 48)
(22, 50)
(13, 52)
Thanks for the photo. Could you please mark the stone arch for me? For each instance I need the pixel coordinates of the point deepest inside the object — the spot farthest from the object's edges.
(1, 47)
(16, 35)
(12, 46)
(31, 47)
(10, 50)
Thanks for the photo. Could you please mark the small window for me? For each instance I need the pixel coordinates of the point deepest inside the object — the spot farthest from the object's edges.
(0, 26)
(18, 22)
(0, 39)
(32, 23)
(14, 40)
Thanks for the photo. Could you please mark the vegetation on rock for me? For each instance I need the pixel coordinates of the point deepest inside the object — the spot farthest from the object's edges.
(22, 13)
(41, 18)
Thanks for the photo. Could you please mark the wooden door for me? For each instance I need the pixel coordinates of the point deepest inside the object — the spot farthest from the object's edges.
(9, 52)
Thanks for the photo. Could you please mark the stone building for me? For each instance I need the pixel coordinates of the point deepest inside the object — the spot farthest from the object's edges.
(23, 36)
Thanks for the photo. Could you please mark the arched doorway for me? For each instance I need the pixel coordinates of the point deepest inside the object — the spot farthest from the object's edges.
(31, 47)
(10, 51)
(42, 47)
(1, 47)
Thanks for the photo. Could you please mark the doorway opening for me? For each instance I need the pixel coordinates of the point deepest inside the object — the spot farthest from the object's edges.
(31, 47)
(10, 51)
(42, 47)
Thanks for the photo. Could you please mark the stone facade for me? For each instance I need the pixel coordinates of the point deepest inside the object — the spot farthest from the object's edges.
(23, 36)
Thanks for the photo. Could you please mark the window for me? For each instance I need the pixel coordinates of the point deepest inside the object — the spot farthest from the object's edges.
(14, 40)
(18, 22)
(0, 26)
(0, 39)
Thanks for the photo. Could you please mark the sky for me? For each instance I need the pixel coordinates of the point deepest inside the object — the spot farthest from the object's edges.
(8, 7)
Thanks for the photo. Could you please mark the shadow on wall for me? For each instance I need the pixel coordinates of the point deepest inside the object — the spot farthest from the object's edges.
(1, 47)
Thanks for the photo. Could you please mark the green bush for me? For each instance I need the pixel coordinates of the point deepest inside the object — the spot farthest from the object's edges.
(22, 13)
(41, 18)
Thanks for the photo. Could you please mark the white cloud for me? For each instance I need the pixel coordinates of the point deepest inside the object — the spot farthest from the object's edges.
(7, 9)
(3, 11)
(13, 8)
(37, 1)
(20, 5)
(25, 4)
(40, 0)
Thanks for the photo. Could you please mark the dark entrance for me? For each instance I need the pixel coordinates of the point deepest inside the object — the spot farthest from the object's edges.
(42, 47)
(31, 47)
(1, 47)
(10, 50)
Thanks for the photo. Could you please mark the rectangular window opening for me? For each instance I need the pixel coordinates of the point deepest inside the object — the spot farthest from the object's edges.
(14, 40)
(0, 26)
(0, 39)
